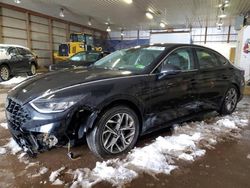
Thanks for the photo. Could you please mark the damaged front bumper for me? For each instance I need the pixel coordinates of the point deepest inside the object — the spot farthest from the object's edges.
(36, 132)
(33, 142)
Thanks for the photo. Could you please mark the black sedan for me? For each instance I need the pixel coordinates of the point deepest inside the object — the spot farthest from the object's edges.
(81, 59)
(127, 94)
(15, 60)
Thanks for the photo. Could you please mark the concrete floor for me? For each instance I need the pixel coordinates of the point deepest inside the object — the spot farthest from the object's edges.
(228, 165)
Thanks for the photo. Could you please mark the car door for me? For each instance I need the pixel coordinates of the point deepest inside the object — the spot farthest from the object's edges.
(172, 88)
(26, 59)
(14, 61)
(212, 78)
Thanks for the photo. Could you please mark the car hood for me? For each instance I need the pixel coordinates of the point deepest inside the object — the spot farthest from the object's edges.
(51, 82)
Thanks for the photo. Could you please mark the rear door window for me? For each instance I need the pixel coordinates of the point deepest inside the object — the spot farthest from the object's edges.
(207, 59)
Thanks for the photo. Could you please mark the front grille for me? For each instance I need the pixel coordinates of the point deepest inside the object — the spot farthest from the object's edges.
(18, 116)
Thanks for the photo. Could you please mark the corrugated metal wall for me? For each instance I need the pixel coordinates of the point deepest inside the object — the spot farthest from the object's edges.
(42, 34)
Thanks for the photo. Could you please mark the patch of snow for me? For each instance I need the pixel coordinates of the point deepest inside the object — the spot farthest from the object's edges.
(13, 146)
(248, 156)
(58, 182)
(186, 157)
(4, 125)
(2, 151)
(15, 80)
(114, 175)
(23, 158)
(43, 170)
(53, 176)
(227, 123)
(188, 142)
(30, 164)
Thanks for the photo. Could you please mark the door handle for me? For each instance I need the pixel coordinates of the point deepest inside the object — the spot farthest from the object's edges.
(170, 84)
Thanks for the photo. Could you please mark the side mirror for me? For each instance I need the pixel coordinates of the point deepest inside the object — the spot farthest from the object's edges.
(169, 69)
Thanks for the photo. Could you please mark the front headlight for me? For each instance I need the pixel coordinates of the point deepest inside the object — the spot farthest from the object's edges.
(52, 105)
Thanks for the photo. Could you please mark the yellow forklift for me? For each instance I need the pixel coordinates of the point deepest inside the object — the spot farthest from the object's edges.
(78, 42)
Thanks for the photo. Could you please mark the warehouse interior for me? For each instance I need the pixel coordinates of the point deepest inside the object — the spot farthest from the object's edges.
(210, 150)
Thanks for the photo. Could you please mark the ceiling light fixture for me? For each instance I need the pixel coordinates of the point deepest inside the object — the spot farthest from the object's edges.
(222, 14)
(17, 1)
(149, 15)
(61, 14)
(163, 25)
(90, 21)
(108, 29)
(128, 1)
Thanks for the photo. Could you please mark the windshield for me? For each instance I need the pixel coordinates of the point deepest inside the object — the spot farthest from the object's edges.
(134, 59)
(85, 56)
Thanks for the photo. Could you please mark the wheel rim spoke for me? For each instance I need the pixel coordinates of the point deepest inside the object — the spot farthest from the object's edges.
(118, 133)
(231, 99)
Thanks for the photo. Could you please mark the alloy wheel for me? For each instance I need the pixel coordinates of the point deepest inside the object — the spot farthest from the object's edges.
(231, 99)
(4, 73)
(118, 133)
(33, 69)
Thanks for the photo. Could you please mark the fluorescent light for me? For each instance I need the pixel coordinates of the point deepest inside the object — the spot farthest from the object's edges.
(162, 24)
(222, 15)
(17, 1)
(108, 29)
(61, 14)
(128, 1)
(149, 15)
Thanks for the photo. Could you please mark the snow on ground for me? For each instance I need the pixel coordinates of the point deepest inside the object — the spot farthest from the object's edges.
(4, 125)
(42, 170)
(248, 156)
(2, 151)
(188, 142)
(15, 80)
(12, 146)
(55, 174)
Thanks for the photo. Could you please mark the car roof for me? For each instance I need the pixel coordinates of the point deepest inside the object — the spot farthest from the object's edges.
(176, 45)
(173, 45)
(13, 45)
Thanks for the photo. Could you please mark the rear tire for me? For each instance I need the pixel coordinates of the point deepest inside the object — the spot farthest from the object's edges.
(4, 73)
(230, 101)
(116, 132)
(32, 70)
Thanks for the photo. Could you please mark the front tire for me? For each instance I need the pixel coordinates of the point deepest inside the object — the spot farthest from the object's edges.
(230, 101)
(32, 70)
(4, 73)
(116, 132)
